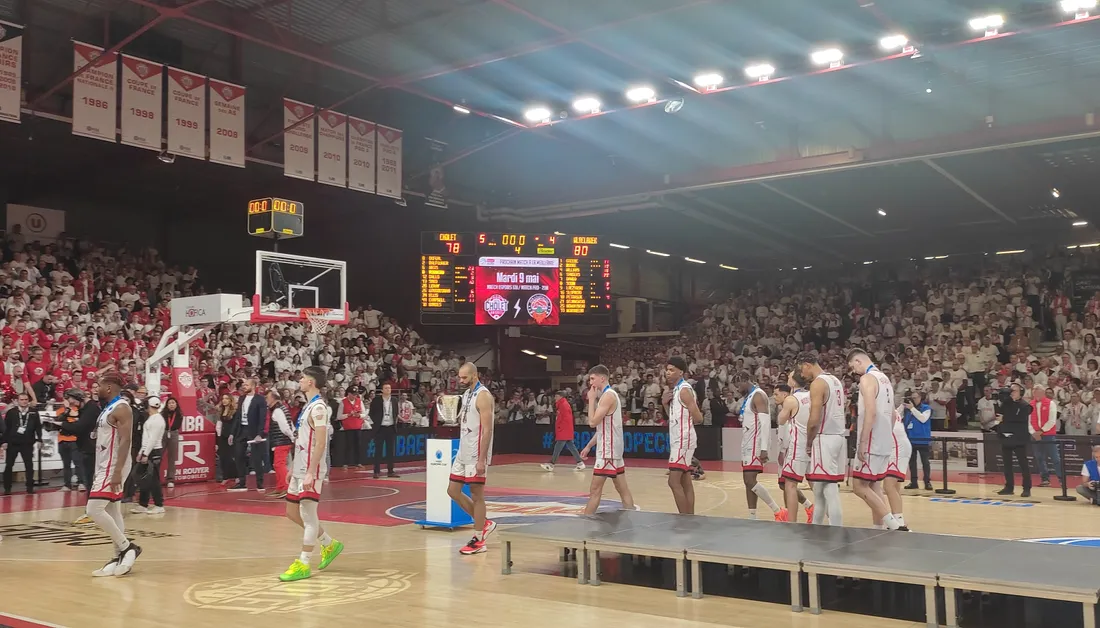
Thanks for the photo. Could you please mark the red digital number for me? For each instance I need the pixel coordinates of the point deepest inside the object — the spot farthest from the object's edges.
(481, 238)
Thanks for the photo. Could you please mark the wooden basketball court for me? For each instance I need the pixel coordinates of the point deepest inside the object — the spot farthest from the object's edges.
(214, 557)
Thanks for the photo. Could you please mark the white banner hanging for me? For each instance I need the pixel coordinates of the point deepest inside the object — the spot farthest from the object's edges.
(186, 114)
(389, 161)
(142, 87)
(11, 70)
(95, 93)
(332, 149)
(227, 123)
(298, 148)
(361, 157)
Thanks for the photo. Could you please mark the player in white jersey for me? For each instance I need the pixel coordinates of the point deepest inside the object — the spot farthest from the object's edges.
(826, 439)
(307, 476)
(683, 415)
(874, 435)
(756, 429)
(112, 466)
(475, 454)
(605, 416)
(794, 459)
(895, 473)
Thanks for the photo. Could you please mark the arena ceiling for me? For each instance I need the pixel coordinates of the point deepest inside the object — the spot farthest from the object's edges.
(682, 181)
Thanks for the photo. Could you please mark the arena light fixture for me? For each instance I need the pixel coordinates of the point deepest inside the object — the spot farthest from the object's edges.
(1012, 252)
(1072, 246)
(831, 57)
(1080, 223)
(1089, 246)
(807, 267)
(528, 352)
(540, 356)
(893, 42)
(558, 233)
(708, 80)
(760, 71)
(587, 105)
(881, 211)
(538, 114)
(657, 253)
(1055, 193)
(619, 246)
(868, 262)
(641, 93)
(727, 267)
(693, 260)
(991, 24)
(1079, 8)
(460, 109)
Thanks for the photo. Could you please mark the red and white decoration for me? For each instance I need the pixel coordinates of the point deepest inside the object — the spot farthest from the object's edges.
(389, 161)
(142, 111)
(95, 93)
(186, 114)
(298, 143)
(11, 70)
(332, 148)
(227, 123)
(361, 158)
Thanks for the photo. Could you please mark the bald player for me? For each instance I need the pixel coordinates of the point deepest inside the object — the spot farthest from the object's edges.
(794, 460)
(112, 466)
(874, 436)
(683, 416)
(826, 439)
(475, 453)
(605, 416)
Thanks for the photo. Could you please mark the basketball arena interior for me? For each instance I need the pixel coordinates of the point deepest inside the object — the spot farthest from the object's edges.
(386, 290)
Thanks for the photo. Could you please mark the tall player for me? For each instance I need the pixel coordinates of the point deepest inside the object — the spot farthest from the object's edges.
(605, 416)
(683, 415)
(307, 477)
(874, 436)
(756, 428)
(794, 460)
(475, 453)
(826, 439)
(895, 472)
(112, 467)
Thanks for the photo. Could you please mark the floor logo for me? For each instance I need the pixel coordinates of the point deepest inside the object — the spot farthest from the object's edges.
(513, 509)
(265, 594)
(982, 502)
(1076, 541)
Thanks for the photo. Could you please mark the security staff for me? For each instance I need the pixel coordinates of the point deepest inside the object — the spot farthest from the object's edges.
(1014, 416)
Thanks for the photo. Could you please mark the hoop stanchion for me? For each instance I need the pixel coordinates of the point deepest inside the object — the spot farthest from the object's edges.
(945, 490)
(1064, 497)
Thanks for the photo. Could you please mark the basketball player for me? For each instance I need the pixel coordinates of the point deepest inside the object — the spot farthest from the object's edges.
(874, 436)
(756, 427)
(475, 453)
(826, 439)
(307, 476)
(605, 416)
(794, 460)
(112, 467)
(683, 415)
(895, 474)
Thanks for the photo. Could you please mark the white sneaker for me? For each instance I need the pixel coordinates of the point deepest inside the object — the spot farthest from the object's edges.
(580, 466)
(65, 489)
(108, 569)
(138, 510)
(155, 510)
(127, 559)
(171, 485)
(546, 466)
(80, 487)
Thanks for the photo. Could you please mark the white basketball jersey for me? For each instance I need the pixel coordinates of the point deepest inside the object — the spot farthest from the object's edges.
(833, 420)
(470, 444)
(307, 435)
(609, 433)
(108, 451)
(752, 428)
(681, 429)
(881, 428)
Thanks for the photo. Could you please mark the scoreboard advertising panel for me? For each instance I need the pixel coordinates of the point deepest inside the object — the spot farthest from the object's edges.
(514, 279)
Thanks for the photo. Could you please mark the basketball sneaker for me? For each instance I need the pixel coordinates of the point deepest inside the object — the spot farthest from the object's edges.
(782, 515)
(330, 552)
(546, 466)
(155, 510)
(810, 514)
(82, 520)
(127, 559)
(580, 466)
(475, 546)
(296, 571)
(490, 527)
(107, 569)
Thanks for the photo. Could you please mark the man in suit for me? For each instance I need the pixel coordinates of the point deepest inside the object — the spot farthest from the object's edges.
(383, 416)
(1014, 417)
(22, 435)
(705, 383)
(250, 441)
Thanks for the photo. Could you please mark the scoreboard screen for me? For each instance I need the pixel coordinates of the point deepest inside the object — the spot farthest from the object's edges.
(514, 279)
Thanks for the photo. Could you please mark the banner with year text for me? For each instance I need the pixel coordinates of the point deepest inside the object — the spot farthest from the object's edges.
(142, 84)
(332, 149)
(361, 149)
(298, 143)
(95, 93)
(11, 71)
(389, 161)
(186, 114)
(227, 123)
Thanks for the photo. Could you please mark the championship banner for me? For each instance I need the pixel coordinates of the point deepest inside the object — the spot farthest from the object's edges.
(11, 71)
(436, 193)
(95, 93)
(298, 160)
(226, 123)
(389, 162)
(361, 146)
(186, 114)
(142, 84)
(332, 149)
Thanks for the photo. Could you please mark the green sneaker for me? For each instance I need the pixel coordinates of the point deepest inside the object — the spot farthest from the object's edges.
(296, 571)
(330, 552)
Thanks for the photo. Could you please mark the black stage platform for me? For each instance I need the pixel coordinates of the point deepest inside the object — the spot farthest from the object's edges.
(805, 552)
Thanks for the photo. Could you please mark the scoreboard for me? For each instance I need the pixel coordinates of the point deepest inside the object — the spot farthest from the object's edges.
(514, 279)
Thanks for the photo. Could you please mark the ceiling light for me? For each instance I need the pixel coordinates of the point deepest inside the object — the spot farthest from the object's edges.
(881, 212)
(928, 90)
(1080, 223)
(989, 23)
(1072, 246)
(642, 93)
(1089, 246)
(537, 114)
(540, 356)
(728, 267)
(829, 56)
(557, 346)
(1079, 8)
(1055, 193)
(461, 109)
(866, 263)
(529, 352)
(1012, 252)
(760, 71)
(941, 257)
(558, 233)
(807, 267)
(619, 246)
(893, 42)
(658, 253)
(708, 80)
(694, 261)
(587, 104)
(930, 257)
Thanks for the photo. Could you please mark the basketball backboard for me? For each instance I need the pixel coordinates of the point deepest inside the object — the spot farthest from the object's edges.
(295, 287)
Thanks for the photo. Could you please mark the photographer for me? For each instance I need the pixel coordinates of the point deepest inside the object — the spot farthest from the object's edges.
(1089, 488)
(918, 427)
(1013, 428)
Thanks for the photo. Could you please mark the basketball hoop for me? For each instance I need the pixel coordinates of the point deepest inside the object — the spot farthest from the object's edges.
(318, 324)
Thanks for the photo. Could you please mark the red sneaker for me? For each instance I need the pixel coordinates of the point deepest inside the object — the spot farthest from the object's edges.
(782, 515)
(490, 527)
(810, 514)
(475, 546)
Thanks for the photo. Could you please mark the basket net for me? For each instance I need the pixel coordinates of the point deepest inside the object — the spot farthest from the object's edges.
(318, 324)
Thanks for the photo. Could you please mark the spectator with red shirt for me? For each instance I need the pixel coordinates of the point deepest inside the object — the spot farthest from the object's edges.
(563, 432)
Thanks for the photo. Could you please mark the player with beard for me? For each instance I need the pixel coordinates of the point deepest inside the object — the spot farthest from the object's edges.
(756, 427)
(683, 415)
(794, 460)
(826, 439)
(475, 454)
